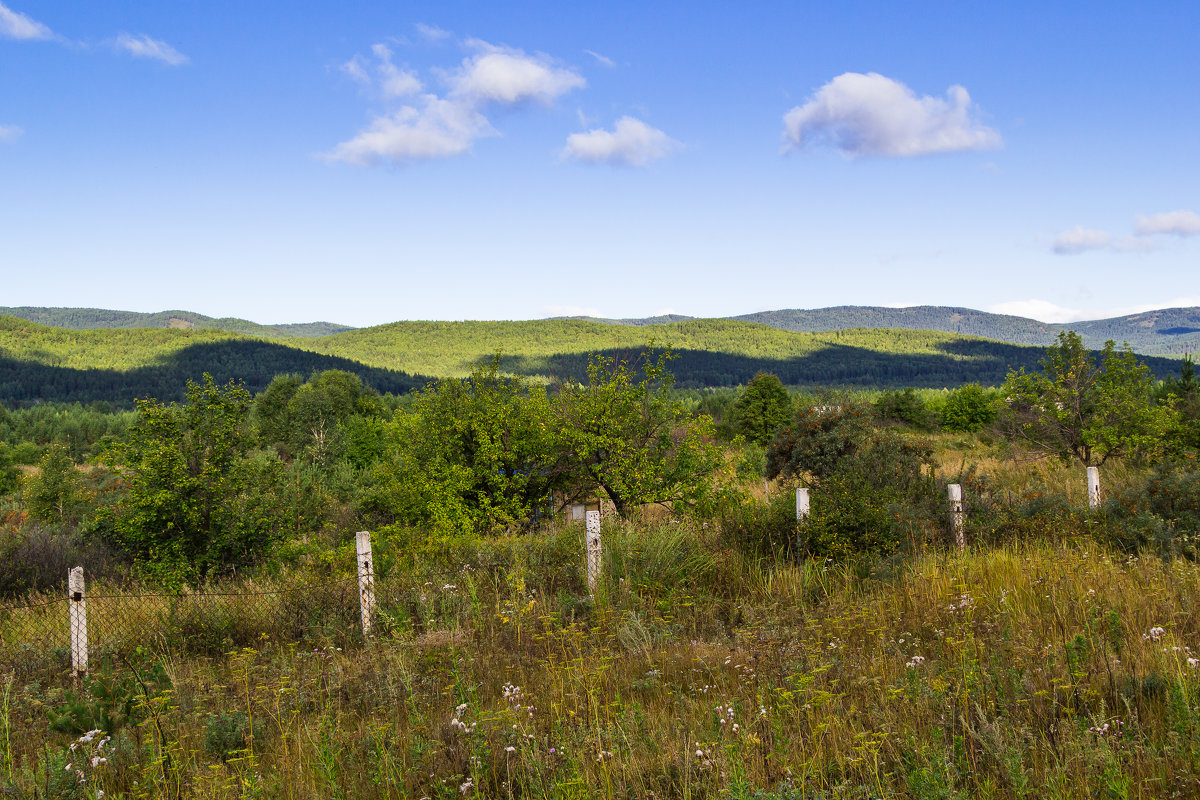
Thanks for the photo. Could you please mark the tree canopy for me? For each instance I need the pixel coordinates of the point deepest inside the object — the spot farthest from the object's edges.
(1079, 408)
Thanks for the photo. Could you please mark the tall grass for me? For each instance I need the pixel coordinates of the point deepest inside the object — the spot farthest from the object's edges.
(1030, 670)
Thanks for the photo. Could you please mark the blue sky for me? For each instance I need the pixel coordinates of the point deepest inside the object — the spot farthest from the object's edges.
(369, 162)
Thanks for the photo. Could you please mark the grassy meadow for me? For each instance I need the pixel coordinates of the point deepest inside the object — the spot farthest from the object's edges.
(1048, 668)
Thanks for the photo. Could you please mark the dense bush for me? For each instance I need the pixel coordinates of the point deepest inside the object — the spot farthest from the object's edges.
(1162, 515)
(969, 408)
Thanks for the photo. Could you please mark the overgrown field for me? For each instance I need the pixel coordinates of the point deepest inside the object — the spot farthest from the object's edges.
(1049, 669)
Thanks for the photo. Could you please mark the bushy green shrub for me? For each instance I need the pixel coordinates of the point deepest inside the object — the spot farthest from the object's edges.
(969, 408)
(1161, 515)
(905, 406)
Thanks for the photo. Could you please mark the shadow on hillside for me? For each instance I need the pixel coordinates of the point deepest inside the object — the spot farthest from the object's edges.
(253, 362)
(960, 361)
(964, 361)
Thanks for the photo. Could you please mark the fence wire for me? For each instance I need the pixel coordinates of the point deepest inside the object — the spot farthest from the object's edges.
(39, 632)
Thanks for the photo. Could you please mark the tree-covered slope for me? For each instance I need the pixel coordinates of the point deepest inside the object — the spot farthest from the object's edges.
(710, 352)
(40, 363)
(88, 318)
(1172, 331)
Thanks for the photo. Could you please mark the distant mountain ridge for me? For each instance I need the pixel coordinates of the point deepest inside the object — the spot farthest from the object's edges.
(95, 318)
(1167, 332)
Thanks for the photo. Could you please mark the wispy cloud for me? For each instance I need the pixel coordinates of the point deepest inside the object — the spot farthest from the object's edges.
(604, 60)
(631, 143)
(10, 133)
(1045, 311)
(434, 126)
(1171, 223)
(1079, 240)
(873, 115)
(144, 47)
(432, 33)
(1178, 223)
(15, 25)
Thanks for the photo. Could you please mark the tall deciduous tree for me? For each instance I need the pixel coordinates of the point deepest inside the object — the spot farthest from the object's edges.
(1079, 408)
(470, 456)
(625, 436)
(195, 498)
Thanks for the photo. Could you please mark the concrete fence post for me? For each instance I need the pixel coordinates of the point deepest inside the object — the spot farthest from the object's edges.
(77, 602)
(801, 504)
(1093, 479)
(366, 580)
(956, 509)
(593, 550)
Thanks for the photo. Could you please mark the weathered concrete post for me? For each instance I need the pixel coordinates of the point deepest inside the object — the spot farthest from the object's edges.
(593, 550)
(801, 504)
(366, 580)
(77, 602)
(956, 508)
(1093, 478)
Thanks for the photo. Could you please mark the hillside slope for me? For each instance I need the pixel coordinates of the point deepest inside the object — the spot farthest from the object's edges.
(90, 318)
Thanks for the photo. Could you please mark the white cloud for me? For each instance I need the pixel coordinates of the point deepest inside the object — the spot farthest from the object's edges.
(445, 126)
(1046, 311)
(1080, 239)
(1179, 223)
(631, 143)
(1042, 310)
(15, 25)
(873, 115)
(356, 70)
(432, 32)
(393, 81)
(604, 60)
(437, 129)
(145, 47)
(10, 133)
(508, 76)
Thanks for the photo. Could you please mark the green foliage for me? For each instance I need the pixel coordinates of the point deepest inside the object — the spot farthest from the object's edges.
(195, 498)
(1076, 408)
(904, 406)
(879, 498)
(969, 408)
(313, 419)
(55, 492)
(817, 441)
(10, 473)
(1160, 515)
(228, 733)
(626, 436)
(875, 488)
(470, 456)
(762, 408)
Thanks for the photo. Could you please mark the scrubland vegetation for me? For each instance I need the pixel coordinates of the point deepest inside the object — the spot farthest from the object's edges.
(728, 651)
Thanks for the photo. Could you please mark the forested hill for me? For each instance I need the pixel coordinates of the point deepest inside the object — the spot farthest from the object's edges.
(1172, 331)
(709, 352)
(1169, 331)
(89, 318)
(39, 363)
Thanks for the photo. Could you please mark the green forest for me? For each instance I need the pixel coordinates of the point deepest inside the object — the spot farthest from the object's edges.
(41, 363)
(1172, 331)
